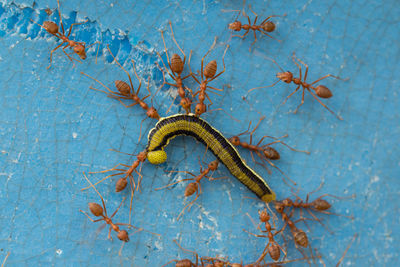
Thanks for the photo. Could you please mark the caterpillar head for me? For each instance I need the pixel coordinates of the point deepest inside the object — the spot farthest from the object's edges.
(157, 157)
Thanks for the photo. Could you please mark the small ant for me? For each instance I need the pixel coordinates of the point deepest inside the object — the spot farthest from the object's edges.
(272, 248)
(265, 27)
(176, 66)
(208, 74)
(195, 187)
(299, 236)
(320, 91)
(53, 29)
(100, 211)
(127, 92)
(265, 152)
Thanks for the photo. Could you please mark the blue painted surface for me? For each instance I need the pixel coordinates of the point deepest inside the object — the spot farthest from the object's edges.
(53, 127)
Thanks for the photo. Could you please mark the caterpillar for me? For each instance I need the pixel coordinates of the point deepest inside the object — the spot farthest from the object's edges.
(169, 127)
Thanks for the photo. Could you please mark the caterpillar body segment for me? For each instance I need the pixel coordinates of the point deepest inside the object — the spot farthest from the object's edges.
(169, 127)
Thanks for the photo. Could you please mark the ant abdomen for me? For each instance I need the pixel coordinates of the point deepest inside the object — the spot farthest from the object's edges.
(323, 91)
(176, 64)
(274, 252)
(123, 236)
(300, 237)
(268, 26)
(123, 87)
(210, 69)
(51, 27)
(96, 209)
(321, 204)
(190, 189)
(271, 153)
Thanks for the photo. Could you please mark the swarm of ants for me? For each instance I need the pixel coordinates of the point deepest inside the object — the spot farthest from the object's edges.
(174, 67)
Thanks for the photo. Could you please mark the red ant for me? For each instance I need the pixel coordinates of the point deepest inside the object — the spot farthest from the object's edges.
(319, 204)
(100, 211)
(320, 90)
(265, 152)
(209, 72)
(176, 66)
(265, 27)
(272, 248)
(53, 29)
(127, 92)
(195, 187)
(189, 263)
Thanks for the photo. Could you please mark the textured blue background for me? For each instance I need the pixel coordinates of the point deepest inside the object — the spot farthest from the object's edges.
(53, 127)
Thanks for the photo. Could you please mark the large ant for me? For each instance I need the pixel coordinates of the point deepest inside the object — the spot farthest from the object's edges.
(272, 248)
(264, 152)
(194, 187)
(53, 29)
(208, 74)
(320, 91)
(265, 27)
(100, 211)
(176, 66)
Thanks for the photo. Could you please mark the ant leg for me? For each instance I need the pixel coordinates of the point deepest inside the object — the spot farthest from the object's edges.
(173, 38)
(305, 74)
(59, 13)
(70, 58)
(287, 177)
(115, 212)
(329, 75)
(297, 64)
(269, 35)
(315, 190)
(110, 92)
(255, 88)
(186, 250)
(333, 113)
(241, 36)
(284, 15)
(171, 184)
(298, 87)
(91, 218)
(302, 101)
(166, 51)
(51, 53)
(254, 234)
(74, 24)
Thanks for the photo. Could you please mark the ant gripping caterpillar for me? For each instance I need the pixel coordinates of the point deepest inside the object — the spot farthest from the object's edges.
(172, 126)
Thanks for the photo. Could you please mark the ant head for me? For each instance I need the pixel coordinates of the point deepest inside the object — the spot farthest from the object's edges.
(200, 109)
(323, 91)
(219, 263)
(51, 27)
(264, 216)
(142, 156)
(210, 69)
(268, 26)
(123, 236)
(279, 207)
(213, 165)
(176, 64)
(121, 184)
(236, 26)
(235, 140)
(152, 113)
(287, 76)
(96, 209)
(79, 49)
(123, 87)
(271, 153)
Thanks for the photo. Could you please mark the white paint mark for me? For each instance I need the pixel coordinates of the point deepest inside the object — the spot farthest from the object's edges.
(375, 179)
(74, 135)
(59, 252)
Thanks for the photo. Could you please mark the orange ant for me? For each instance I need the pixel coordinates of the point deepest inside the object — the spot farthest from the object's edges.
(208, 74)
(176, 66)
(272, 248)
(265, 27)
(195, 187)
(100, 211)
(53, 29)
(319, 204)
(264, 152)
(127, 92)
(320, 90)
(299, 236)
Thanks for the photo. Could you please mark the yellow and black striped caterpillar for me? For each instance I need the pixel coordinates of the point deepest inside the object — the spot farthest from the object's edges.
(191, 125)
